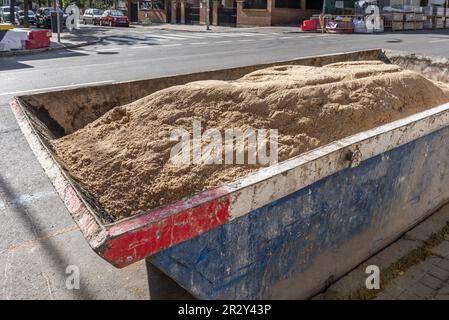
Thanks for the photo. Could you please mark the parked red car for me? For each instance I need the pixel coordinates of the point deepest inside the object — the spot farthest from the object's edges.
(114, 18)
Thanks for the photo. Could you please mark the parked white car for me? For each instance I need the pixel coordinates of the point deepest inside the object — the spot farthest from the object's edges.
(5, 12)
(92, 16)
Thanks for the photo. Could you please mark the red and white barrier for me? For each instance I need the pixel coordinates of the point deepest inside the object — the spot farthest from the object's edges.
(38, 39)
(19, 39)
(13, 39)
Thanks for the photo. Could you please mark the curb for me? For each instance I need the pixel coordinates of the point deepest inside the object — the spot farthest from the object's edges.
(62, 47)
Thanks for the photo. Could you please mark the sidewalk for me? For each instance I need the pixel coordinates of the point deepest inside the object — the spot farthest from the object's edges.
(77, 38)
(416, 266)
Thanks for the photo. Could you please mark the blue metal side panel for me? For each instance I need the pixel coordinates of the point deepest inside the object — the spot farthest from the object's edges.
(385, 195)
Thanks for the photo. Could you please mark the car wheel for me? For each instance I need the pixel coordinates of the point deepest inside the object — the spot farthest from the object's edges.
(84, 21)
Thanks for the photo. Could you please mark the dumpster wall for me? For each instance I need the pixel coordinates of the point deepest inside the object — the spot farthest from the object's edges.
(292, 247)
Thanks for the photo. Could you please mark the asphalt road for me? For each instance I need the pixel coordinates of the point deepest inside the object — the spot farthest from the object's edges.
(38, 239)
(135, 54)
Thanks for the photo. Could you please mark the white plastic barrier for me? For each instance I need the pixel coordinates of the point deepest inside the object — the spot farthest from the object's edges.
(13, 39)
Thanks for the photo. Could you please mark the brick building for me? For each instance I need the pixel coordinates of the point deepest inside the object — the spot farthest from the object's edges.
(224, 12)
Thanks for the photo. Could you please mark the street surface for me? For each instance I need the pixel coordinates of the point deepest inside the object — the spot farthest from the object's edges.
(38, 238)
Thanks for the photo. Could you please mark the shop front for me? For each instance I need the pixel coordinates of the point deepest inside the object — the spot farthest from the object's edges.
(223, 12)
(275, 12)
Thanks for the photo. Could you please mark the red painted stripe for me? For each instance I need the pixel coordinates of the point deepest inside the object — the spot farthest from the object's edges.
(129, 247)
(158, 214)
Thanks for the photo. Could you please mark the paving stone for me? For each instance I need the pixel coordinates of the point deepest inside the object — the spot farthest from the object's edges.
(441, 217)
(434, 260)
(393, 290)
(424, 230)
(435, 271)
(444, 264)
(431, 282)
(444, 289)
(384, 296)
(422, 290)
(356, 278)
(441, 250)
(393, 253)
(408, 295)
(442, 297)
(348, 284)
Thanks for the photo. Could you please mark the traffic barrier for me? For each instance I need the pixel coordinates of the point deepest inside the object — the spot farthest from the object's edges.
(12, 39)
(38, 39)
(309, 25)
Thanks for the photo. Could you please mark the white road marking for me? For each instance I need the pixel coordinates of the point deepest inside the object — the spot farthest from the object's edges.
(246, 40)
(209, 35)
(140, 47)
(157, 39)
(58, 87)
(224, 41)
(107, 49)
(159, 36)
(198, 43)
(71, 51)
(243, 34)
(187, 36)
(440, 40)
(171, 45)
(122, 39)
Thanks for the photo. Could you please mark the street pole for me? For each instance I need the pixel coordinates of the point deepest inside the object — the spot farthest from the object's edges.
(207, 15)
(12, 18)
(58, 22)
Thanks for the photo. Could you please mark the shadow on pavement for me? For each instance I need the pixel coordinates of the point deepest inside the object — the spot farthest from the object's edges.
(32, 226)
(19, 61)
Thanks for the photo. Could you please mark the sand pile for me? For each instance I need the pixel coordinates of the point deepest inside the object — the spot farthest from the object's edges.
(122, 158)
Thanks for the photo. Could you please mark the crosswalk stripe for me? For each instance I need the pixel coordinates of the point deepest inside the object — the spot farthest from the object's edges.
(166, 37)
(188, 36)
(185, 36)
(171, 45)
(242, 34)
(208, 35)
(157, 39)
(122, 39)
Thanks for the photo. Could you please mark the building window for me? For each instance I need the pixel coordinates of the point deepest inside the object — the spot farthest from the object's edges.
(255, 4)
(317, 4)
(152, 4)
(291, 4)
